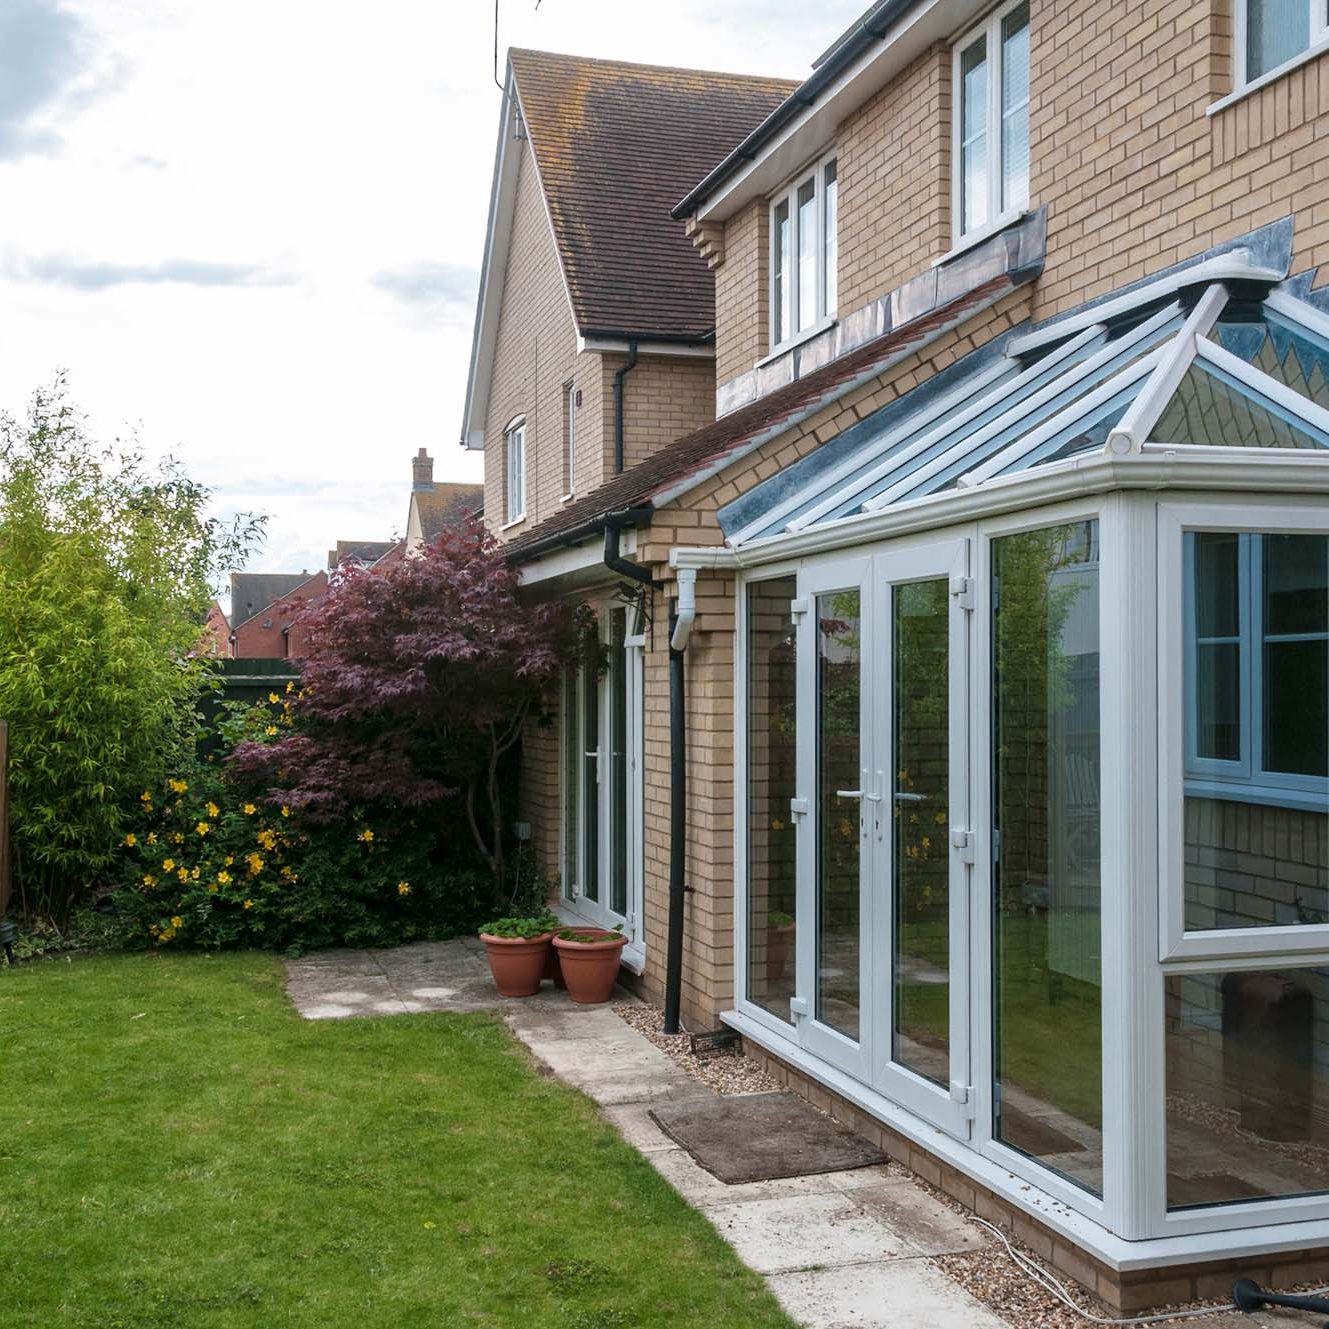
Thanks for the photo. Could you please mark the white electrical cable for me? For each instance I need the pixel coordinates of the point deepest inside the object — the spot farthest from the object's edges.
(1051, 1284)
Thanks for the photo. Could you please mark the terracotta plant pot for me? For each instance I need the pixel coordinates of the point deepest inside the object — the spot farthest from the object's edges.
(590, 968)
(778, 939)
(554, 971)
(517, 963)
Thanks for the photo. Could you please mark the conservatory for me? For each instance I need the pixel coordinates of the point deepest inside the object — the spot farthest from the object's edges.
(1033, 754)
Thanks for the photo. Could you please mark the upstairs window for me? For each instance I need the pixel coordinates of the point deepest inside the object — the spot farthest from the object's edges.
(1273, 33)
(804, 252)
(991, 129)
(514, 456)
(570, 396)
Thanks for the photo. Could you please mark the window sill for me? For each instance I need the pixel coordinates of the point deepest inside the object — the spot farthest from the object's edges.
(516, 521)
(984, 232)
(1264, 795)
(805, 336)
(1312, 52)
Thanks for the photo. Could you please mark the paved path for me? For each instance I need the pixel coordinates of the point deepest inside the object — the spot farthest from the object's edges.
(844, 1250)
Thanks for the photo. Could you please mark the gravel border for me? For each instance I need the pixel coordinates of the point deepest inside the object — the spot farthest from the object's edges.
(726, 1072)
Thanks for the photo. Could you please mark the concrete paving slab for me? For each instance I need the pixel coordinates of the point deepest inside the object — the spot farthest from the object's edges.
(805, 1231)
(699, 1188)
(638, 1128)
(888, 1294)
(923, 1221)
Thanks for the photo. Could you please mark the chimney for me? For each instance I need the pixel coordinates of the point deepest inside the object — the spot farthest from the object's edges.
(422, 471)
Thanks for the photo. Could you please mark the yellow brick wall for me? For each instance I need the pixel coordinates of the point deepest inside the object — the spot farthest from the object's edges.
(742, 298)
(664, 397)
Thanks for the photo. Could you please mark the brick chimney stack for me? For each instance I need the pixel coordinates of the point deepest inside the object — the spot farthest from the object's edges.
(422, 471)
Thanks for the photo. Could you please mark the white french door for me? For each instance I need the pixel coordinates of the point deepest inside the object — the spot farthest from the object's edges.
(886, 851)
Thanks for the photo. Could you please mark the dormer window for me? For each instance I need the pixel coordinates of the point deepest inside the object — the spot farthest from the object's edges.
(804, 253)
(991, 131)
(514, 460)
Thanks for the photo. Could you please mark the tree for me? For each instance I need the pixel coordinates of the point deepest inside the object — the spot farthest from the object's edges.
(418, 679)
(105, 580)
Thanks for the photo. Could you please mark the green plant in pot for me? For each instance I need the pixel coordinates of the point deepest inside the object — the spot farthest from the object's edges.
(518, 951)
(589, 958)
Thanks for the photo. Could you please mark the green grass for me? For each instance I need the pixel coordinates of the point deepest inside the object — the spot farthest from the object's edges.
(178, 1149)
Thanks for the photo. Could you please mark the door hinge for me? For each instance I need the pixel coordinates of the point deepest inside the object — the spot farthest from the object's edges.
(962, 1095)
(799, 607)
(963, 843)
(798, 1007)
(962, 588)
(798, 807)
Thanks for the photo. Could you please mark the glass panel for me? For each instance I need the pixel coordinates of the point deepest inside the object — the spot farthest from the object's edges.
(570, 479)
(1015, 108)
(771, 867)
(590, 798)
(781, 257)
(1207, 409)
(1247, 1057)
(618, 812)
(1257, 840)
(1276, 30)
(1287, 354)
(838, 685)
(920, 619)
(571, 770)
(1047, 956)
(807, 254)
(831, 236)
(973, 136)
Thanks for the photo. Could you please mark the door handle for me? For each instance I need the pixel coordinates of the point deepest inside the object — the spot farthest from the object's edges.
(903, 796)
(858, 793)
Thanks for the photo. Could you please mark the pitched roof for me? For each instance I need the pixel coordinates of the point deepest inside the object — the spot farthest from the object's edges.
(675, 468)
(445, 505)
(616, 146)
(253, 592)
(362, 551)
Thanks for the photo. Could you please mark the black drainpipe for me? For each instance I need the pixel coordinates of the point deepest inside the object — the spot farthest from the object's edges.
(678, 828)
(613, 560)
(619, 375)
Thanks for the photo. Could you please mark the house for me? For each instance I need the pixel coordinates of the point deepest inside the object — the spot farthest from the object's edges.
(265, 606)
(436, 505)
(216, 637)
(964, 743)
(361, 553)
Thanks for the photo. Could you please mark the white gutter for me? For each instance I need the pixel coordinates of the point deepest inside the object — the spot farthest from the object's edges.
(617, 345)
(686, 612)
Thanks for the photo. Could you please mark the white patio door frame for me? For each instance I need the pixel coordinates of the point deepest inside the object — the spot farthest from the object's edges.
(869, 1059)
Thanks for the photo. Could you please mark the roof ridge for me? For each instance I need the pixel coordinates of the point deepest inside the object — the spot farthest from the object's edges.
(770, 80)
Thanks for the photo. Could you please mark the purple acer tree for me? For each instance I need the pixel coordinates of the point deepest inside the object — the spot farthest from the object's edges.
(418, 679)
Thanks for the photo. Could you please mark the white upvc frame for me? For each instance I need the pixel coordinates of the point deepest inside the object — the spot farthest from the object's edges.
(570, 425)
(1000, 212)
(1255, 515)
(785, 311)
(514, 467)
(1318, 28)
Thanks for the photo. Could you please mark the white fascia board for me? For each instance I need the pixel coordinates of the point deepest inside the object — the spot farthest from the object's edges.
(1298, 311)
(1235, 266)
(493, 268)
(808, 134)
(619, 346)
(570, 561)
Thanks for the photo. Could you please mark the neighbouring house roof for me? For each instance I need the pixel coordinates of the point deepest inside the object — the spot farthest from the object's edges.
(360, 551)
(614, 145)
(683, 465)
(445, 505)
(253, 592)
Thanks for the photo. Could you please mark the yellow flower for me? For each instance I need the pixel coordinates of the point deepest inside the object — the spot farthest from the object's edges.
(131, 839)
(290, 687)
(285, 811)
(270, 730)
(403, 888)
(255, 862)
(273, 698)
(214, 810)
(166, 935)
(230, 858)
(178, 838)
(178, 786)
(149, 881)
(267, 838)
(145, 797)
(287, 873)
(250, 809)
(182, 873)
(249, 904)
(152, 837)
(203, 827)
(168, 865)
(212, 888)
(224, 878)
(366, 835)
(194, 874)
(177, 922)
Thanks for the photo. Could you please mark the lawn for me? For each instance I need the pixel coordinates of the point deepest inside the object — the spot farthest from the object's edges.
(177, 1148)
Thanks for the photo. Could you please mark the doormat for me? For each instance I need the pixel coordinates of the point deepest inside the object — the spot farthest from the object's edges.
(761, 1137)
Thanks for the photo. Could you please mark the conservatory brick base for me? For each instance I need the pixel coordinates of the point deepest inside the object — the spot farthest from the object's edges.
(1125, 1292)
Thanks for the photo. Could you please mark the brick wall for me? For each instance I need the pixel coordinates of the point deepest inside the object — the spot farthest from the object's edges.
(664, 397)
(742, 296)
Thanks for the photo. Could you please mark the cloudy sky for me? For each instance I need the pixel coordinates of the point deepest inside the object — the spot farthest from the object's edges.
(250, 229)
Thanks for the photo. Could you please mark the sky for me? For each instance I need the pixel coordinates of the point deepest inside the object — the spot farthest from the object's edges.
(250, 231)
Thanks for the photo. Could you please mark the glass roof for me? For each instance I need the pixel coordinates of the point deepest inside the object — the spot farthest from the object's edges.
(1209, 371)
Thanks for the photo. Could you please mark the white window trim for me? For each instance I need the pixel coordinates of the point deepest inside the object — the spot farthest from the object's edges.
(1244, 82)
(514, 482)
(570, 461)
(999, 215)
(788, 195)
(1284, 944)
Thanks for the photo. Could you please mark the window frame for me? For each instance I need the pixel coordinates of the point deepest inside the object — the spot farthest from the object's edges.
(784, 313)
(988, 29)
(514, 471)
(1244, 80)
(569, 440)
(1282, 942)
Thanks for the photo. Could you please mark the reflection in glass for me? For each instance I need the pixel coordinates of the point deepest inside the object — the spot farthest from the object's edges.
(618, 764)
(920, 621)
(838, 688)
(1247, 1057)
(772, 908)
(590, 796)
(1276, 31)
(1209, 410)
(807, 254)
(831, 235)
(1015, 108)
(1046, 906)
(973, 136)
(571, 780)
(782, 256)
